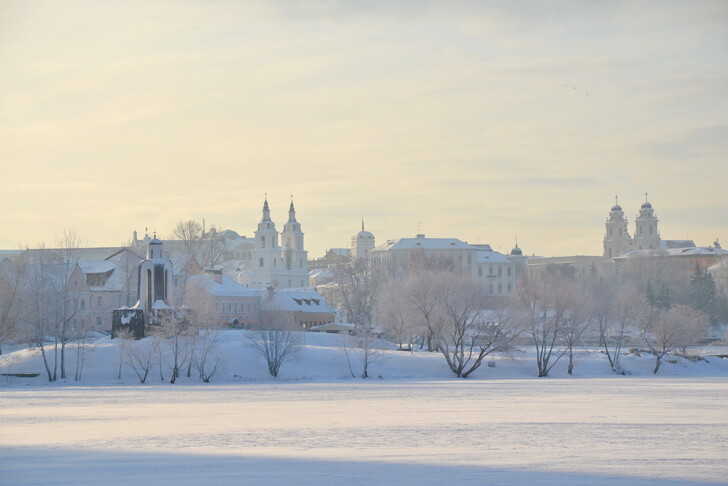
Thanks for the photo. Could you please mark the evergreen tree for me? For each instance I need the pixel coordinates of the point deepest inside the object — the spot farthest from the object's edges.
(650, 295)
(663, 300)
(702, 293)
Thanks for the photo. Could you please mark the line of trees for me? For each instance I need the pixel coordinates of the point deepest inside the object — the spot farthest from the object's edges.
(556, 311)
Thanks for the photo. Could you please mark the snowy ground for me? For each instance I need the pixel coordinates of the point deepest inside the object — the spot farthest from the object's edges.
(416, 425)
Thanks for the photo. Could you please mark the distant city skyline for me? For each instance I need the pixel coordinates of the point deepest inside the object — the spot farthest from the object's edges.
(483, 122)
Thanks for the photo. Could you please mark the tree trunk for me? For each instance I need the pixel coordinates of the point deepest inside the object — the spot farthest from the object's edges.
(571, 362)
(63, 357)
(658, 362)
(45, 362)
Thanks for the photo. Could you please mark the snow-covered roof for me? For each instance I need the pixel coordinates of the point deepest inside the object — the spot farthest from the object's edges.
(111, 278)
(332, 327)
(483, 256)
(227, 287)
(80, 254)
(344, 252)
(300, 301)
(677, 244)
(96, 266)
(673, 252)
(423, 243)
(320, 273)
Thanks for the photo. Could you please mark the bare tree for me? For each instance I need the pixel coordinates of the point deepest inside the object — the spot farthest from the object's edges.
(577, 322)
(207, 247)
(12, 276)
(140, 355)
(674, 329)
(171, 329)
(72, 301)
(189, 233)
(79, 334)
(422, 300)
(544, 303)
(49, 309)
(207, 353)
(277, 340)
(470, 330)
(361, 346)
(355, 291)
(393, 312)
(617, 309)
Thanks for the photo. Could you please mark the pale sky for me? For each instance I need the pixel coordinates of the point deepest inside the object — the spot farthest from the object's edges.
(483, 121)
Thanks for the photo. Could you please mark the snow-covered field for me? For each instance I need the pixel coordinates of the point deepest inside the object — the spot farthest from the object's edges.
(415, 425)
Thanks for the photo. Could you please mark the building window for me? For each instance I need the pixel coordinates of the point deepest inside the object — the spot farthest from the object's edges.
(500, 271)
(99, 301)
(508, 271)
(83, 304)
(260, 262)
(98, 322)
(480, 271)
(490, 269)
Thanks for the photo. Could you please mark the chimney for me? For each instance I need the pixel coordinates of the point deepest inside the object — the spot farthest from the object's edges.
(216, 274)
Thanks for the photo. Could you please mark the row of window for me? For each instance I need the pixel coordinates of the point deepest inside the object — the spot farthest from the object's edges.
(261, 263)
(491, 288)
(491, 271)
(236, 307)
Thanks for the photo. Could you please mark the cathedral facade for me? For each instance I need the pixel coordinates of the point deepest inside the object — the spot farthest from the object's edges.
(274, 264)
(617, 240)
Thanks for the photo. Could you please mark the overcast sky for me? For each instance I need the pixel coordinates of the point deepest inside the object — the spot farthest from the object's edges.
(484, 121)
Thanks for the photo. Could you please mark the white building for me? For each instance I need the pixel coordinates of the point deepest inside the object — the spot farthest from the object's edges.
(223, 301)
(274, 265)
(496, 271)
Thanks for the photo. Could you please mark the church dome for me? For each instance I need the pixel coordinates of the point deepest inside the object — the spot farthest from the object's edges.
(364, 235)
(516, 251)
(646, 205)
(616, 207)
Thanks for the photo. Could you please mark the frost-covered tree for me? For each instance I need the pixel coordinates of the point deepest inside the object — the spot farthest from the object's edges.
(172, 332)
(422, 298)
(278, 338)
(673, 330)
(140, 354)
(703, 293)
(12, 277)
(545, 305)
(207, 247)
(473, 326)
(394, 314)
(362, 347)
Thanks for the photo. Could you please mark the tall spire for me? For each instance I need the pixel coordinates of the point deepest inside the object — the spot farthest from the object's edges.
(291, 212)
(266, 209)
(362, 222)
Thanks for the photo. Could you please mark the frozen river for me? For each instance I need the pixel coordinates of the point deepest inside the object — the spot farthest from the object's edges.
(553, 431)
